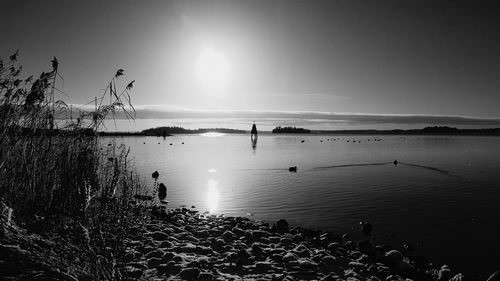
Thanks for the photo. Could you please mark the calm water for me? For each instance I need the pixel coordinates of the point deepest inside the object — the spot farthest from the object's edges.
(442, 197)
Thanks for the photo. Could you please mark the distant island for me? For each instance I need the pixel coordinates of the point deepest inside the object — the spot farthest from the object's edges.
(290, 130)
(169, 131)
(435, 130)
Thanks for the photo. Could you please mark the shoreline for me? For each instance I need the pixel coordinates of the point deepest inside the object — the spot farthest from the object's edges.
(184, 243)
(181, 243)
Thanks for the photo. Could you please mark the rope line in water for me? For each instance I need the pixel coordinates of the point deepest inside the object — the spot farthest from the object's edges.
(351, 165)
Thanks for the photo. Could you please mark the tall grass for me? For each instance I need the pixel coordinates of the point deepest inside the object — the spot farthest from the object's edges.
(53, 166)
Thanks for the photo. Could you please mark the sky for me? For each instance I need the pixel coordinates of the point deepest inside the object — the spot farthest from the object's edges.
(317, 64)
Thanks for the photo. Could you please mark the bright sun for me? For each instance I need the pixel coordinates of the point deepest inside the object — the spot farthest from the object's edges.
(213, 70)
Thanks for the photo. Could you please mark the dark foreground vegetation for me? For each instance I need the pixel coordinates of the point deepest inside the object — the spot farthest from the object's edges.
(64, 197)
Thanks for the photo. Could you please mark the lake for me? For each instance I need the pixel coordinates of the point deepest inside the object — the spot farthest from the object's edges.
(441, 197)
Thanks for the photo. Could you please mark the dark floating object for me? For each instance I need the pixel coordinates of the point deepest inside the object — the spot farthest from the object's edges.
(158, 143)
(302, 141)
(395, 162)
(254, 130)
(193, 207)
(164, 202)
(182, 142)
(155, 175)
(292, 169)
(171, 144)
(366, 228)
(143, 197)
(144, 143)
(162, 191)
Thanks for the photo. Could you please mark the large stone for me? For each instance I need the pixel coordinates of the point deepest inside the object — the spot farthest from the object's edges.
(282, 226)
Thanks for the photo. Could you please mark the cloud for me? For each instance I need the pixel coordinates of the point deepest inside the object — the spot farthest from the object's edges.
(300, 118)
(155, 112)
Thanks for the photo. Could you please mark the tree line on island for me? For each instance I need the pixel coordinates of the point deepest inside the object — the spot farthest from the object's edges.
(166, 131)
(290, 130)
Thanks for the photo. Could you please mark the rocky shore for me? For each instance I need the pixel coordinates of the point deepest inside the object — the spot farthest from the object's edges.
(184, 244)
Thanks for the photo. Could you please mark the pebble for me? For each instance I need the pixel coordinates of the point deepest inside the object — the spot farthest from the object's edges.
(159, 236)
(205, 276)
(228, 236)
(394, 255)
(190, 273)
(154, 254)
(154, 262)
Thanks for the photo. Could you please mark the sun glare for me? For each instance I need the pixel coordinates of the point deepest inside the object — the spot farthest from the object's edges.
(212, 134)
(212, 196)
(213, 70)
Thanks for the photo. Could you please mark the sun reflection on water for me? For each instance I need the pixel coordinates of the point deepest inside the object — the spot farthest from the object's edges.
(212, 196)
(212, 134)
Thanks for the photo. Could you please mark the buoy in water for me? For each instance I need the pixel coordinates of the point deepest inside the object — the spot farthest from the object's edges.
(395, 162)
(292, 169)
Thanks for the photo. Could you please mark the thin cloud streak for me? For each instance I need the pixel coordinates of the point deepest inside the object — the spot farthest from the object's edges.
(305, 117)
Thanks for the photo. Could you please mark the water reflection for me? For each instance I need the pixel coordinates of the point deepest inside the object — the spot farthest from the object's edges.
(253, 138)
(212, 196)
(212, 134)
